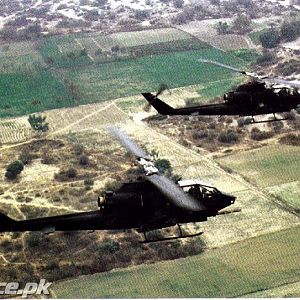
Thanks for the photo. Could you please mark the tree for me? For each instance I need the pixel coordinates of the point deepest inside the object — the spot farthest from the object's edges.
(222, 27)
(270, 38)
(163, 165)
(289, 31)
(242, 24)
(115, 48)
(14, 169)
(38, 123)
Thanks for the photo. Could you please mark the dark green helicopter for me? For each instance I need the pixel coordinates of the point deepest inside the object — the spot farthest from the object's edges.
(262, 95)
(151, 202)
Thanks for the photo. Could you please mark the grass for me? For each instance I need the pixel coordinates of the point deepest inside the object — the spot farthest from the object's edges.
(162, 35)
(288, 192)
(267, 166)
(252, 265)
(19, 91)
(133, 76)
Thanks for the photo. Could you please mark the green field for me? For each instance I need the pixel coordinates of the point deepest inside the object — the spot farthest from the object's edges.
(133, 76)
(266, 166)
(274, 167)
(19, 91)
(288, 191)
(64, 71)
(252, 265)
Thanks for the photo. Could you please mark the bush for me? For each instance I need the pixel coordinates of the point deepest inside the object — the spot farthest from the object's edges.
(33, 239)
(78, 149)
(38, 123)
(243, 121)
(109, 247)
(270, 38)
(25, 157)
(228, 137)
(163, 165)
(83, 160)
(201, 134)
(291, 139)
(14, 169)
(258, 135)
(88, 182)
(71, 173)
(267, 58)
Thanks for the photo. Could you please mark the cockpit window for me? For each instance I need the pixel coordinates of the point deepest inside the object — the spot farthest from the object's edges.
(200, 192)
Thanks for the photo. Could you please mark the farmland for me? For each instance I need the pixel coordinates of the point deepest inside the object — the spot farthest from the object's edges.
(259, 263)
(274, 168)
(65, 71)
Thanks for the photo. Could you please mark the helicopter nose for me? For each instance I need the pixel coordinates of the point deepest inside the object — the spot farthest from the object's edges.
(228, 200)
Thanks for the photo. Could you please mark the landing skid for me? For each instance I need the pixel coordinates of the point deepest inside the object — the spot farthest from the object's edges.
(253, 121)
(181, 236)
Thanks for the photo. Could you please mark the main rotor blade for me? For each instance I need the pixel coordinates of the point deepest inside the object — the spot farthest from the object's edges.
(223, 66)
(175, 194)
(127, 142)
(286, 83)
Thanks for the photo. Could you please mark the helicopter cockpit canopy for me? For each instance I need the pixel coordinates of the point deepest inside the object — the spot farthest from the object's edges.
(198, 189)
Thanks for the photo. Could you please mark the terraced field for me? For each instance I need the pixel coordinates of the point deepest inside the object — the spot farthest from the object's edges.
(14, 131)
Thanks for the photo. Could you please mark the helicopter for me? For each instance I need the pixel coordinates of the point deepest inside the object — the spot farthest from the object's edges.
(261, 95)
(151, 202)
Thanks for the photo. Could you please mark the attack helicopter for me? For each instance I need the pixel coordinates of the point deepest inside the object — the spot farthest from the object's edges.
(151, 202)
(261, 95)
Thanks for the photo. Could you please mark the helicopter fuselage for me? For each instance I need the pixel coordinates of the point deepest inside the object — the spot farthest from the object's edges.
(135, 205)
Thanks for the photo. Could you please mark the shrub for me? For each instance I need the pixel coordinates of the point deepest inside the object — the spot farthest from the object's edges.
(270, 38)
(25, 157)
(258, 135)
(38, 123)
(243, 121)
(33, 239)
(266, 58)
(109, 246)
(71, 173)
(88, 182)
(201, 134)
(228, 137)
(83, 160)
(14, 169)
(291, 139)
(78, 149)
(47, 159)
(163, 165)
